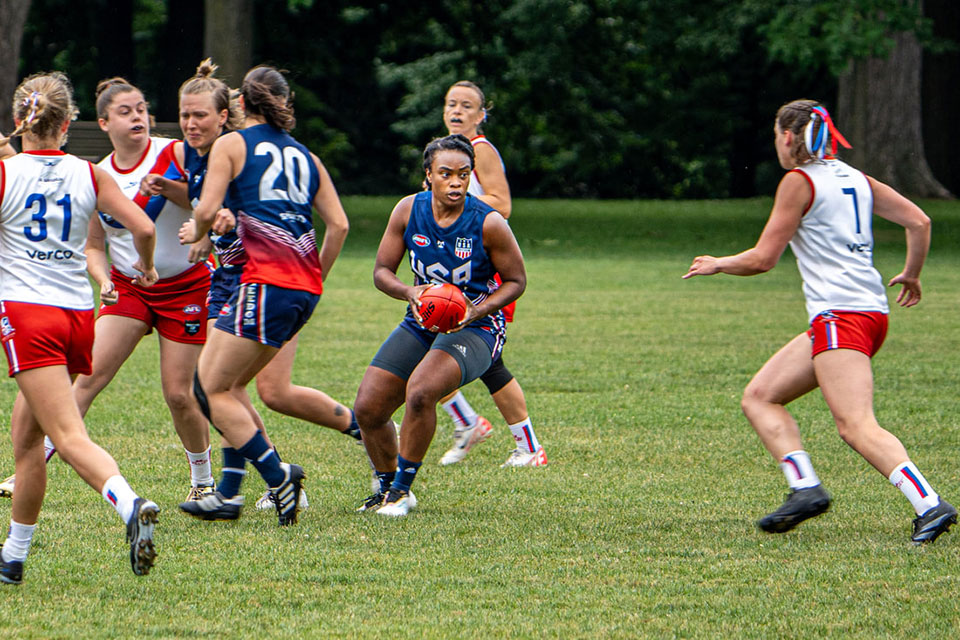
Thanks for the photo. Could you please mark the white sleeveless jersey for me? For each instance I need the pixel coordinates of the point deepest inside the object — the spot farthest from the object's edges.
(476, 189)
(170, 257)
(834, 243)
(46, 201)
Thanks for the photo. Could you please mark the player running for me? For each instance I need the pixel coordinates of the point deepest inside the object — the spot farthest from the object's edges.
(273, 183)
(48, 200)
(823, 210)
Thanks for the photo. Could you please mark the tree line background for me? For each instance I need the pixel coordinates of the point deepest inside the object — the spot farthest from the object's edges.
(600, 98)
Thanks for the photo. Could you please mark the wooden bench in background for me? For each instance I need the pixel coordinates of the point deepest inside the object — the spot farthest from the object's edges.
(90, 143)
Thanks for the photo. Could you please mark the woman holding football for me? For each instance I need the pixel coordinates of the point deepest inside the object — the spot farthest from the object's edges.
(449, 236)
(465, 110)
(822, 207)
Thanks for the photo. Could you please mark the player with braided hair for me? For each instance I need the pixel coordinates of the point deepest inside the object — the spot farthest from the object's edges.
(48, 205)
(823, 209)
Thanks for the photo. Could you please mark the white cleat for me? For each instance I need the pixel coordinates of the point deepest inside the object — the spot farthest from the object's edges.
(265, 502)
(464, 438)
(6, 487)
(521, 458)
(398, 503)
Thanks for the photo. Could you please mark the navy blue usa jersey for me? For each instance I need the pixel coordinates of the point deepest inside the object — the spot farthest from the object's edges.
(453, 254)
(228, 247)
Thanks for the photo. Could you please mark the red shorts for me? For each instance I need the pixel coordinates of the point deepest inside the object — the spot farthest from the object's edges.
(39, 335)
(176, 306)
(862, 331)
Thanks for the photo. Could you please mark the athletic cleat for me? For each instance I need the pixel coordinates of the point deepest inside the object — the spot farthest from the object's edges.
(10, 572)
(286, 497)
(213, 506)
(800, 505)
(397, 503)
(140, 535)
(464, 438)
(929, 526)
(520, 458)
(199, 490)
(6, 487)
(372, 503)
(265, 502)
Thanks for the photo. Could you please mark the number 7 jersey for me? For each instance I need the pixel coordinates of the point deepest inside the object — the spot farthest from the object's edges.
(834, 242)
(46, 200)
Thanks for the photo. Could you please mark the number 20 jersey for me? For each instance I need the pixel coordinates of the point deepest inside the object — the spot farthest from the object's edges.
(834, 242)
(46, 200)
(272, 198)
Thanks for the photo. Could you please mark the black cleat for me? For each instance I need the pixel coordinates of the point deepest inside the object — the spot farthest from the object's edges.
(373, 502)
(800, 505)
(287, 495)
(140, 536)
(213, 506)
(10, 572)
(929, 526)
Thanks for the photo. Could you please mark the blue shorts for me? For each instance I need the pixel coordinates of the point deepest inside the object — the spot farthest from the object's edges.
(266, 313)
(223, 284)
(473, 347)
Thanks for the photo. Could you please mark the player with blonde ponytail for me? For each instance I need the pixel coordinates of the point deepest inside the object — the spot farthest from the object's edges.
(48, 204)
(823, 209)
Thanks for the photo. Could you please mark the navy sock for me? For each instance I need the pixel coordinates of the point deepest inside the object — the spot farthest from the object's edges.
(406, 474)
(354, 429)
(232, 473)
(264, 459)
(386, 479)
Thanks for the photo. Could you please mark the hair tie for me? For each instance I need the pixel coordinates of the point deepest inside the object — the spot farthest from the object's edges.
(31, 101)
(817, 148)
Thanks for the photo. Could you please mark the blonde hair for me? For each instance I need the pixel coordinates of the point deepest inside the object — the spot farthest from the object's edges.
(42, 103)
(223, 96)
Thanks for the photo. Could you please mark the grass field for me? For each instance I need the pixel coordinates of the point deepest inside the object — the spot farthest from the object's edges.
(642, 524)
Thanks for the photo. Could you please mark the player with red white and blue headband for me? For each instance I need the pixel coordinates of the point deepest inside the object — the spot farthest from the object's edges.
(175, 306)
(274, 184)
(823, 209)
(48, 204)
(448, 236)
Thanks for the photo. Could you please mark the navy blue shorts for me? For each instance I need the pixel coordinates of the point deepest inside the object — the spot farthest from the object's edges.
(266, 313)
(223, 284)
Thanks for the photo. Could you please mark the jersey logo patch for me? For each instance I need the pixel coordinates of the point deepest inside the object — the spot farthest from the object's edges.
(192, 309)
(463, 248)
(420, 240)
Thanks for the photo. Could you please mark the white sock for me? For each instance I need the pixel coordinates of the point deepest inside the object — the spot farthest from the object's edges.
(799, 471)
(912, 484)
(48, 448)
(200, 472)
(524, 436)
(460, 411)
(118, 493)
(17, 544)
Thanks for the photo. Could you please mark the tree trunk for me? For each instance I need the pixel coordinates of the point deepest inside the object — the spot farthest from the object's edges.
(880, 114)
(13, 16)
(228, 37)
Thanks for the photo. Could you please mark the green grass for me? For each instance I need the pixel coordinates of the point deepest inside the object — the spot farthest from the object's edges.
(642, 524)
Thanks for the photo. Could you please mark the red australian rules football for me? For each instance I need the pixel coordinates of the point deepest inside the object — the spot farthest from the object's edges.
(442, 306)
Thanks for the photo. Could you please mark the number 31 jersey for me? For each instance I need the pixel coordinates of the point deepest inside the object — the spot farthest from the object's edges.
(46, 200)
(834, 243)
(272, 198)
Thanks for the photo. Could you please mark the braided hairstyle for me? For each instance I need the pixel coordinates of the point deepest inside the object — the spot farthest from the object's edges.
(42, 103)
(455, 142)
(813, 131)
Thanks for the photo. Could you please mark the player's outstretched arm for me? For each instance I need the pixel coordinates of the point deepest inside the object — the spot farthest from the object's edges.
(390, 253)
(793, 196)
(227, 157)
(97, 265)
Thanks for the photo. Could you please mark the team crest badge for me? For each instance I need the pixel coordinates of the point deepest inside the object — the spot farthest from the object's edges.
(5, 327)
(464, 248)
